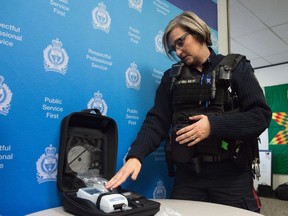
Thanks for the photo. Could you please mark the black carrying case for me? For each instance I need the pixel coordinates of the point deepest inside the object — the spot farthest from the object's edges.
(89, 141)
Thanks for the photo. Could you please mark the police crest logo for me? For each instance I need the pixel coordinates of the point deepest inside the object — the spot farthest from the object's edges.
(214, 38)
(133, 77)
(158, 42)
(55, 58)
(47, 165)
(125, 156)
(136, 4)
(5, 97)
(101, 18)
(159, 191)
(97, 102)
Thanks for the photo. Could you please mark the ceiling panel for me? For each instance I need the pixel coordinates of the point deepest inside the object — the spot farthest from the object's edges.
(270, 12)
(281, 31)
(259, 30)
(264, 43)
(239, 48)
(240, 17)
(278, 58)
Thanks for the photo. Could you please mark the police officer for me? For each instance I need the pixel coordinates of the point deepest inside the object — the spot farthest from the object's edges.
(211, 139)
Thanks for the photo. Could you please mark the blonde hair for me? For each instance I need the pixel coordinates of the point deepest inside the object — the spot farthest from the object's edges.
(191, 23)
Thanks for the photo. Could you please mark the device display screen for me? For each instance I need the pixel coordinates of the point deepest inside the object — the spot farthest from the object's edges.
(91, 191)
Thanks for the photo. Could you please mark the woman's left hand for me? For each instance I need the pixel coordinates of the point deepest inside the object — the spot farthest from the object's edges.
(194, 133)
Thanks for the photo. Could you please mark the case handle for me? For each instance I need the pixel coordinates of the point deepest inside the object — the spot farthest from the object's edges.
(93, 111)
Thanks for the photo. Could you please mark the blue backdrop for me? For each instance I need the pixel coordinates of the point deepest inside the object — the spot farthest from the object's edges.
(62, 56)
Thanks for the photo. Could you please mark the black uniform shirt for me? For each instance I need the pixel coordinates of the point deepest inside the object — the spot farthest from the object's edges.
(250, 122)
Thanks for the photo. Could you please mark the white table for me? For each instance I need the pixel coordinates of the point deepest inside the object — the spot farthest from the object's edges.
(171, 207)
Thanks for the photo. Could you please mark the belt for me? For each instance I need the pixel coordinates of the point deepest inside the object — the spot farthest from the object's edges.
(215, 158)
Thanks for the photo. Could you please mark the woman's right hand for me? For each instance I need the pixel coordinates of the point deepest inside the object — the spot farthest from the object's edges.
(131, 168)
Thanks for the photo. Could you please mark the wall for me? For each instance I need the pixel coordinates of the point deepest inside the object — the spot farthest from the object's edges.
(223, 27)
(63, 56)
(271, 76)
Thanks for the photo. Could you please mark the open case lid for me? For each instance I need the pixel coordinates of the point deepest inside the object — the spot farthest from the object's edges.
(88, 141)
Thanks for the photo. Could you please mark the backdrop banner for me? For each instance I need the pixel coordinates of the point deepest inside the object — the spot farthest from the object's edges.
(277, 98)
(64, 56)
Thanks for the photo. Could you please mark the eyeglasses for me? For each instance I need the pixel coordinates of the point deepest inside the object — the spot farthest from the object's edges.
(179, 43)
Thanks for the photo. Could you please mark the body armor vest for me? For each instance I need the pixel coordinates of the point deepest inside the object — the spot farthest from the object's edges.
(208, 93)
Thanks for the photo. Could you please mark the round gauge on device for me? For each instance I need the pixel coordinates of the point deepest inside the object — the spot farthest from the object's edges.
(79, 159)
